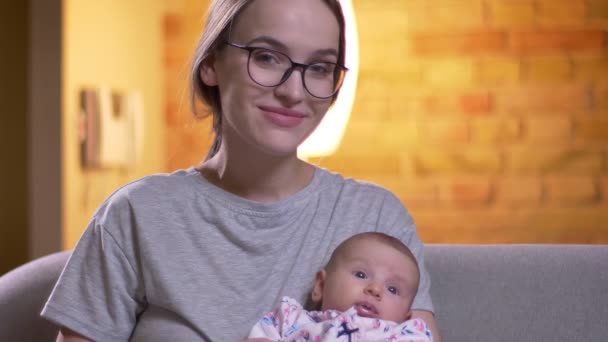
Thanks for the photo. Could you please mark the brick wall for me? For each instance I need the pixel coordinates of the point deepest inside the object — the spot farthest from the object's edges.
(188, 139)
(488, 118)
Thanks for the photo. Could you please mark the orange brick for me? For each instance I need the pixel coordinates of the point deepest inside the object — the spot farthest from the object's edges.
(446, 131)
(396, 135)
(572, 190)
(466, 192)
(553, 130)
(368, 107)
(187, 145)
(362, 165)
(604, 190)
(557, 41)
(600, 96)
(591, 130)
(533, 99)
(406, 73)
(495, 130)
(369, 135)
(511, 14)
(171, 113)
(548, 69)
(498, 71)
(598, 10)
(534, 225)
(476, 103)
(468, 102)
(414, 193)
(519, 191)
(443, 162)
(449, 72)
(400, 106)
(454, 14)
(370, 88)
(556, 224)
(552, 13)
(590, 68)
(529, 160)
(459, 43)
(460, 225)
(381, 22)
(172, 25)
(440, 102)
(384, 53)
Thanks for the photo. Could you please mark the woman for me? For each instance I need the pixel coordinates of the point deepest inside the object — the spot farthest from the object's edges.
(202, 253)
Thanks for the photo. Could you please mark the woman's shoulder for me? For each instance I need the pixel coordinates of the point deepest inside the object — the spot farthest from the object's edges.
(166, 183)
(353, 186)
(155, 187)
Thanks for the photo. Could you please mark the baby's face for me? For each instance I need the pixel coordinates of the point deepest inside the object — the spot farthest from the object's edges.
(377, 279)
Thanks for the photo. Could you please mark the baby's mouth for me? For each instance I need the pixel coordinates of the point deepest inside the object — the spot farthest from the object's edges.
(365, 309)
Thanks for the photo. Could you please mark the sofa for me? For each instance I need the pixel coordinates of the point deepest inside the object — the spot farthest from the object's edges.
(481, 293)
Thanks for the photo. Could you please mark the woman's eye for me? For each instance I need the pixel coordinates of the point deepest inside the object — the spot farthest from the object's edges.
(266, 57)
(321, 68)
(361, 275)
(393, 290)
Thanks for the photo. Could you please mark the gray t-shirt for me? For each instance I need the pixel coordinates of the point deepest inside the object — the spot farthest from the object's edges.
(173, 257)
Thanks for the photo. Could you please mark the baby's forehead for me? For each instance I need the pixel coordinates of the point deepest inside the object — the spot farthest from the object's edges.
(367, 249)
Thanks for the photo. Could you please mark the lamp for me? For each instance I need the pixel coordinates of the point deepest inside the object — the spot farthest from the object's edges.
(325, 139)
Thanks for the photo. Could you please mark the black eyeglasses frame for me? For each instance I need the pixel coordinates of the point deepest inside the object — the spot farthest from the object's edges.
(289, 71)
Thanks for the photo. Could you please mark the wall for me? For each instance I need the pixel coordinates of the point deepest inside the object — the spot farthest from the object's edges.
(488, 118)
(13, 134)
(117, 44)
(188, 139)
(44, 128)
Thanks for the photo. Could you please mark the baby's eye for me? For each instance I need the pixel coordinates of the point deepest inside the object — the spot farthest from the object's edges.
(360, 274)
(393, 290)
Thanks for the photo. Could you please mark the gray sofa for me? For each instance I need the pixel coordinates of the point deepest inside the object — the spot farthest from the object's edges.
(481, 293)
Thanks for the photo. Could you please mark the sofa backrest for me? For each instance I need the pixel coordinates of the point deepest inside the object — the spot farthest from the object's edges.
(520, 292)
(490, 293)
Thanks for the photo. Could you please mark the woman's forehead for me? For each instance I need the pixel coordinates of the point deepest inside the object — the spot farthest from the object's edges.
(305, 25)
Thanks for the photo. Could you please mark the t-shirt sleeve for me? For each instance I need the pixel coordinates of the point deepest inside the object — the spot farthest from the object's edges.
(395, 220)
(99, 293)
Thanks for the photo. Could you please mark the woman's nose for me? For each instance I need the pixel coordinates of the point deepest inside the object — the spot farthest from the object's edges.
(292, 90)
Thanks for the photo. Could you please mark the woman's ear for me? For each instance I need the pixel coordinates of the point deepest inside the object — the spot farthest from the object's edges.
(317, 290)
(207, 72)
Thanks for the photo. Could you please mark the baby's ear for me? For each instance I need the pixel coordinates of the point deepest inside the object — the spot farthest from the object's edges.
(317, 290)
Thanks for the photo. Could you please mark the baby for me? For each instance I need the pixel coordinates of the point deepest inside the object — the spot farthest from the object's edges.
(364, 293)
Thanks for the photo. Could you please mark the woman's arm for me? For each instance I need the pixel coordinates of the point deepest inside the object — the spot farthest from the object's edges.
(67, 335)
(429, 319)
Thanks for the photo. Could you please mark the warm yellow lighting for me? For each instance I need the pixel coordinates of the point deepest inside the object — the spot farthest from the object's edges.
(326, 138)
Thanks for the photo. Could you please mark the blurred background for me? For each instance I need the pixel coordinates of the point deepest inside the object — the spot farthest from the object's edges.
(487, 118)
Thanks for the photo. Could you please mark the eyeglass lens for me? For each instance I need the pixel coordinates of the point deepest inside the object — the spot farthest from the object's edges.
(270, 68)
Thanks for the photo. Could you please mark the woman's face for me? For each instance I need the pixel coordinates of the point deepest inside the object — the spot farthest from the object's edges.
(275, 120)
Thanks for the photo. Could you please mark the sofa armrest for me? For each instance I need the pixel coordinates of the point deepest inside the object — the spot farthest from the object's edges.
(23, 293)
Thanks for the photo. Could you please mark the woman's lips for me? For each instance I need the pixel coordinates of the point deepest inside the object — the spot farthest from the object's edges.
(283, 117)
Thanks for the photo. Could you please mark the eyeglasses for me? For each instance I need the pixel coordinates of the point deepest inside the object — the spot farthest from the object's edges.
(270, 68)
